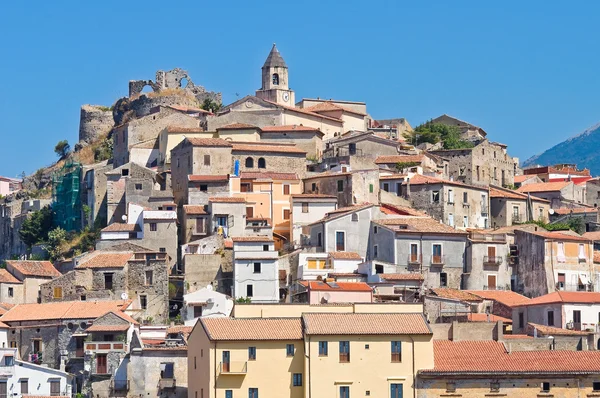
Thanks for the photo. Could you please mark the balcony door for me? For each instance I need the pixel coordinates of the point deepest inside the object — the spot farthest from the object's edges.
(491, 282)
(226, 361)
(101, 364)
(3, 389)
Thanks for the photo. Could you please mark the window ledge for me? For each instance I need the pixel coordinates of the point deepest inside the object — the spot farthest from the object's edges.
(495, 394)
(545, 394)
(451, 394)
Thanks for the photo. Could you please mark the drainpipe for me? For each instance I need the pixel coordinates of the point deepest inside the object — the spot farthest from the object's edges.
(215, 382)
(413, 367)
(309, 372)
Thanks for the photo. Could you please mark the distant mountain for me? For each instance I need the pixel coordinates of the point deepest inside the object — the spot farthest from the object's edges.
(582, 149)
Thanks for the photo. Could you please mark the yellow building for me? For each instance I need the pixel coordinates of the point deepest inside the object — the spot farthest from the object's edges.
(318, 355)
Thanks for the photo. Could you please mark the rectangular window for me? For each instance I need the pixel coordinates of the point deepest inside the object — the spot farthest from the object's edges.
(9, 360)
(11, 292)
(375, 251)
(313, 187)
(450, 386)
(148, 278)
(323, 349)
(340, 186)
(344, 392)
(582, 252)
(344, 351)
(203, 188)
(451, 219)
(55, 388)
(252, 353)
(108, 280)
(253, 393)
(245, 187)
(435, 196)
(545, 386)
(249, 290)
(550, 318)
(153, 227)
(201, 225)
(257, 268)
(465, 221)
(494, 386)
(396, 351)
(24, 386)
(138, 187)
(354, 216)
(386, 187)
(450, 196)
(228, 393)
(443, 279)
(436, 251)
(560, 255)
(286, 189)
(249, 212)
(465, 197)
(207, 160)
(521, 320)
(167, 370)
(197, 311)
(340, 241)
(265, 248)
(596, 386)
(395, 390)
(286, 214)
(304, 207)
(374, 230)
(289, 350)
(58, 293)
(297, 380)
(143, 302)
(370, 188)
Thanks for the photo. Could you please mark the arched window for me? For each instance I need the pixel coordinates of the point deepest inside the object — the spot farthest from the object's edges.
(276, 79)
(249, 163)
(262, 163)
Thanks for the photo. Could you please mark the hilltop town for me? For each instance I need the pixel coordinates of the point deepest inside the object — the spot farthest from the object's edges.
(296, 248)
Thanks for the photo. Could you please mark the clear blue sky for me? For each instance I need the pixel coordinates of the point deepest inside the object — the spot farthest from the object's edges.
(525, 71)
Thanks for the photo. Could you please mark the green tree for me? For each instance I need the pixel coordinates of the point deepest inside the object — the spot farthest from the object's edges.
(56, 239)
(62, 149)
(437, 132)
(36, 227)
(210, 105)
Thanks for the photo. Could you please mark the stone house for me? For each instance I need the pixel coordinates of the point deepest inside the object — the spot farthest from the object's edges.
(271, 157)
(500, 302)
(145, 153)
(129, 183)
(306, 209)
(353, 114)
(227, 216)
(357, 149)
(198, 156)
(32, 274)
(486, 163)
(487, 262)
(454, 203)
(344, 230)
(205, 302)
(324, 292)
(255, 269)
(239, 132)
(549, 261)
(307, 139)
(468, 131)
(140, 276)
(511, 207)
(200, 188)
(11, 289)
(93, 191)
(559, 194)
(418, 244)
(393, 129)
(171, 136)
(592, 191)
(145, 128)
(53, 334)
(351, 187)
(422, 163)
(589, 216)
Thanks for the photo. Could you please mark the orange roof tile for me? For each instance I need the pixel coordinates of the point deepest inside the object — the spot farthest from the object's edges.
(192, 130)
(62, 310)
(303, 111)
(244, 329)
(262, 147)
(107, 328)
(411, 276)
(544, 186)
(237, 126)
(179, 329)
(577, 210)
(345, 256)
(121, 227)
(484, 357)
(106, 260)
(596, 257)
(34, 268)
(216, 142)
(550, 330)
(7, 277)
(389, 208)
(319, 286)
(268, 176)
(559, 235)
(564, 297)
(226, 199)
(312, 196)
(328, 106)
(194, 210)
(365, 324)
(595, 235)
(476, 317)
(291, 128)
(521, 178)
(251, 239)
(456, 294)
(412, 224)
(506, 297)
(399, 159)
(419, 179)
(208, 178)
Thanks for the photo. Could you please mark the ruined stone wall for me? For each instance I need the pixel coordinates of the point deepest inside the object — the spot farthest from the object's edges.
(157, 292)
(262, 118)
(74, 284)
(202, 270)
(144, 372)
(94, 121)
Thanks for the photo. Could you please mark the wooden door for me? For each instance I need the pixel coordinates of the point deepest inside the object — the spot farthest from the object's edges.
(101, 364)
(226, 361)
(491, 279)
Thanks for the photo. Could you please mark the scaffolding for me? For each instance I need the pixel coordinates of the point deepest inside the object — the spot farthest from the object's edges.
(66, 196)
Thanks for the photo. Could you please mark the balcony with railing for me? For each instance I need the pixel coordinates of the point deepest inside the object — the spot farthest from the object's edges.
(437, 260)
(496, 287)
(516, 218)
(414, 259)
(233, 368)
(492, 260)
(7, 371)
(485, 210)
(105, 346)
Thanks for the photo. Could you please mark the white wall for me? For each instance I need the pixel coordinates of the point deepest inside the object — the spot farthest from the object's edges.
(217, 305)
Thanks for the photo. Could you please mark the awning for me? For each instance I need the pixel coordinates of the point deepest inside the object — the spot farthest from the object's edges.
(583, 278)
(79, 334)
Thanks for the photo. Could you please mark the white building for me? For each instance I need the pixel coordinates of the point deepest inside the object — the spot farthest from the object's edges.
(205, 303)
(307, 209)
(255, 269)
(21, 378)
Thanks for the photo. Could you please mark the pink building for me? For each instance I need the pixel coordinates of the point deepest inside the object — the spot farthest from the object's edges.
(9, 185)
(319, 292)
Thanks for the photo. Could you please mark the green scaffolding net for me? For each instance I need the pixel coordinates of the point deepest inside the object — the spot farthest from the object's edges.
(66, 196)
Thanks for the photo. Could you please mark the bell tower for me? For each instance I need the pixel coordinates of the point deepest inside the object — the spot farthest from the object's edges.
(275, 84)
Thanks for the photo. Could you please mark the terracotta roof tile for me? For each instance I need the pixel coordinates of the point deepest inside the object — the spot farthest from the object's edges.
(177, 129)
(522, 178)
(506, 297)
(411, 276)
(63, 310)
(345, 256)
(7, 277)
(559, 235)
(226, 199)
(485, 357)
(480, 317)
(577, 210)
(597, 257)
(369, 324)
(268, 176)
(238, 126)
(399, 159)
(179, 329)
(34, 268)
(564, 297)
(319, 286)
(328, 106)
(595, 235)
(194, 210)
(122, 227)
(389, 208)
(291, 128)
(312, 196)
(262, 147)
(550, 331)
(303, 111)
(419, 179)
(107, 328)
(216, 142)
(345, 275)
(251, 239)
(456, 294)
(105, 260)
(245, 329)
(412, 224)
(544, 186)
(208, 178)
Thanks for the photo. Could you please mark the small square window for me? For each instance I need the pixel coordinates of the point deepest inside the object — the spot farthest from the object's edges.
(203, 188)
(265, 248)
(153, 227)
(450, 386)
(545, 386)
(596, 386)
(252, 353)
(354, 216)
(289, 350)
(125, 172)
(138, 187)
(257, 268)
(368, 393)
(366, 346)
(340, 186)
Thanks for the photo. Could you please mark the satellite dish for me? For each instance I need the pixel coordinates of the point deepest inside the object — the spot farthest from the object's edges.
(327, 297)
(209, 287)
(124, 217)
(124, 296)
(550, 211)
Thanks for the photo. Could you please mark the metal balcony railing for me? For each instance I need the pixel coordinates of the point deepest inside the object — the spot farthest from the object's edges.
(414, 259)
(233, 368)
(105, 346)
(437, 260)
(492, 260)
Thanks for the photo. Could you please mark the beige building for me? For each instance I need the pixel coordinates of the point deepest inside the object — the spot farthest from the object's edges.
(372, 352)
(509, 207)
(171, 136)
(32, 274)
